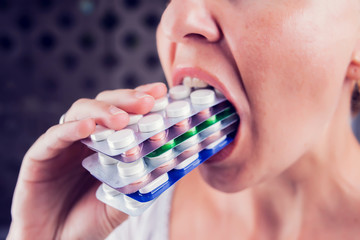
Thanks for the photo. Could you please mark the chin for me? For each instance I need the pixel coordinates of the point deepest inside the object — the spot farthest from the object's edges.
(222, 179)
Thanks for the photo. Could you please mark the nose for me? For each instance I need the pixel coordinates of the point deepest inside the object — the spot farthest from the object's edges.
(189, 19)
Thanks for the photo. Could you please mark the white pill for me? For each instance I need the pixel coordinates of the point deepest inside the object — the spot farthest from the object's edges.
(151, 123)
(189, 142)
(187, 161)
(109, 191)
(121, 139)
(179, 92)
(132, 203)
(162, 158)
(101, 133)
(160, 104)
(134, 118)
(211, 129)
(154, 184)
(106, 160)
(214, 144)
(187, 81)
(178, 109)
(197, 83)
(130, 169)
(202, 96)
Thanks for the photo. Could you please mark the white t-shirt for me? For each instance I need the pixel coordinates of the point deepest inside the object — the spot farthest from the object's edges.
(152, 224)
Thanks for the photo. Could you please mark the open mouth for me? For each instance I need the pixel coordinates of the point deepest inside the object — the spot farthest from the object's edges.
(198, 78)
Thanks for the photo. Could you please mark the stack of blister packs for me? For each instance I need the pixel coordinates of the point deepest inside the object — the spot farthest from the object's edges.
(141, 161)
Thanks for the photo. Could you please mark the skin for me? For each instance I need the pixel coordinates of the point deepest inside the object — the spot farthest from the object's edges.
(290, 67)
(54, 196)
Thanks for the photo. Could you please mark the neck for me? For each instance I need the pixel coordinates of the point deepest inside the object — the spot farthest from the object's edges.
(320, 187)
(320, 190)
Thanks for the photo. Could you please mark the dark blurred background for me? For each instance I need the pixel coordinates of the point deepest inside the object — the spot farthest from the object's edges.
(53, 52)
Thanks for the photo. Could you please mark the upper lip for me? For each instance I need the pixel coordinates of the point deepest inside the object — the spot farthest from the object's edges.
(180, 73)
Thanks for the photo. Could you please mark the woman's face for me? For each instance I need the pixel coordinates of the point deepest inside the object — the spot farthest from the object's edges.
(281, 63)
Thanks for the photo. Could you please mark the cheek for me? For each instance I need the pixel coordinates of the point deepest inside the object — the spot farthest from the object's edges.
(293, 75)
(166, 52)
(293, 69)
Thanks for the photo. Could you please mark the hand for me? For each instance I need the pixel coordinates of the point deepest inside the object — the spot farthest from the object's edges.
(55, 197)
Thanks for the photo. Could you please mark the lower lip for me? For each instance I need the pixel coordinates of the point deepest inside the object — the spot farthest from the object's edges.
(224, 153)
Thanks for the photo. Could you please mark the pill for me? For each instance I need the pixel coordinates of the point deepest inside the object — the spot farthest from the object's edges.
(187, 161)
(132, 168)
(109, 191)
(187, 81)
(217, 142)
(188, 142)
(132, 152)
(212, 128)
(121, 139)
(157, 182)
(179, 92)
(101, 133)
(158, 137)
(151, 123)
(140, 181)
(106, 160)
(211, 120)
(190, 133)
(166, 164)
(162, 158)
(205, 112)
(160, 104)
(183, 124)
(197, 83)
(178, 109)
(202, 96)
(132, 203)
(134, 118)
(192, 148)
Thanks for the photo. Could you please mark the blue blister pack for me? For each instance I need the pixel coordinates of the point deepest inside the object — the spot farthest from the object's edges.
(136, 203)
(176, 174)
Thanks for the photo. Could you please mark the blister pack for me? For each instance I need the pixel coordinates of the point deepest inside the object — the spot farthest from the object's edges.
(138, 163)
(135, 204)
(175, 109)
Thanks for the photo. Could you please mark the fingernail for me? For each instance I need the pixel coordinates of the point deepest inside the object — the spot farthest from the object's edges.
(114, 110)
(140, 95)
(144, 88)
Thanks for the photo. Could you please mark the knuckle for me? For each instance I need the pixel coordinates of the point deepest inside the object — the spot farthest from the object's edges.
(80, 101)
(102, 94)
(109, 94)
(51, 130)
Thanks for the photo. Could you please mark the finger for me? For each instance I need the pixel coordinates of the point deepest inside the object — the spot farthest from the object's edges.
(157, 90)
(104, 113)
(129, 100)
(59, 137)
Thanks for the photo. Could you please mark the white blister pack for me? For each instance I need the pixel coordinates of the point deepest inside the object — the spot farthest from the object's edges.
(138, 163)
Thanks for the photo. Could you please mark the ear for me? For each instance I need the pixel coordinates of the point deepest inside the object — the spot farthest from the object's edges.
(353, 71)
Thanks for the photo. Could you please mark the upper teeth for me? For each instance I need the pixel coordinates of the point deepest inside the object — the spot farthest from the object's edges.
(194, 82)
